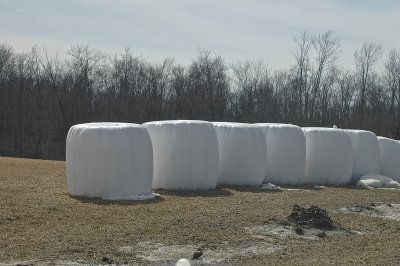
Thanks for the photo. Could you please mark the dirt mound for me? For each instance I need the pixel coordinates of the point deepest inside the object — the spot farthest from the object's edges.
(313, 217)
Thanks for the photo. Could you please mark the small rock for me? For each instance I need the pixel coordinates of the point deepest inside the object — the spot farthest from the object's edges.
(105, 260)
(299, 230)
(197, 254)
(321, 234)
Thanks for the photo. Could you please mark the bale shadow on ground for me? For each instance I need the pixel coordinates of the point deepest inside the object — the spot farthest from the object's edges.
(218, 192)
(99, 201)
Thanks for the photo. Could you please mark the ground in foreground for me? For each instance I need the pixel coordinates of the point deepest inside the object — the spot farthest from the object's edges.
(41, 224)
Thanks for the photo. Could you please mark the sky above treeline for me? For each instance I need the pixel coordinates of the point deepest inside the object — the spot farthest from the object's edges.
(236, 30)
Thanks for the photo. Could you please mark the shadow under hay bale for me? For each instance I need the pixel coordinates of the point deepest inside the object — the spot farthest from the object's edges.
(253, 189)
(195, 193)
(99, 201)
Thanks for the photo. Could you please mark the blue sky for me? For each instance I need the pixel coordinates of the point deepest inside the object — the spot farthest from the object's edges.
(237, 30)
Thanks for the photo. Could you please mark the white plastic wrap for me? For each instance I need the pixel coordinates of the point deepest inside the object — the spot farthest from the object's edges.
(390, 157)
(286, 153)
(329, 156)
(185, 154)
(242, 154)
(365, 153)
(109, 161)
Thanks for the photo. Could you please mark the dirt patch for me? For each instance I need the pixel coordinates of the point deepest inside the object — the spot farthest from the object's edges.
(301, 224)
(379, 210)
(41, 224)
(281, 231)
(211, 253)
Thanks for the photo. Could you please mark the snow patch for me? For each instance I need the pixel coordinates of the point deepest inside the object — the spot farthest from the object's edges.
(377, 181)
(213, 253)
(385, 211)
(270, 186)
(280, 231)
(183, 262)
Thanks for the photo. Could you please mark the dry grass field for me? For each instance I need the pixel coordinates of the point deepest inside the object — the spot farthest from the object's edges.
(41, 224)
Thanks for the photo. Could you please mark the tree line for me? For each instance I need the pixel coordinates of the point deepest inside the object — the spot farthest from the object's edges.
(41, 97)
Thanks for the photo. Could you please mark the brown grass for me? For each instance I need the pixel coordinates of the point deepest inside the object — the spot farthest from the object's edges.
(40, 221)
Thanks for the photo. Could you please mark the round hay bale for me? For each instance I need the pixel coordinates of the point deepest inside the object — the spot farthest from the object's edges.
(390, 157)
(365, 153)
(242, 154)
(286, 153)
(329, 156)
(109, 161)
(185, 154)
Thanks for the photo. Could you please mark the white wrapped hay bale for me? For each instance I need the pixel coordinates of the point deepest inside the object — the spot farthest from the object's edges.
(329, 156)
(109, 161)
(286, 153)
(185, 154)
(365, 153)
(390, 157)
(242, 154)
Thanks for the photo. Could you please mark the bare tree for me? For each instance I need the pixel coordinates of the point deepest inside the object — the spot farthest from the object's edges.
(255, 91)
(392, 78)
(283, 96)
(365, 58)
(246, 79)
(180, 97)
(302, 68)
(6, 69)
(326, 47)
(209, 86)
(42, 96)
(53, 72)
(81, 68)
(346, 95)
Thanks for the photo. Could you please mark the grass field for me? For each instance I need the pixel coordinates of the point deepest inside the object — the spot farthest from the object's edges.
(41, 224)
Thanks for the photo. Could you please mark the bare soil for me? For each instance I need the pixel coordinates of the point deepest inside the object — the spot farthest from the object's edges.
(40, 223)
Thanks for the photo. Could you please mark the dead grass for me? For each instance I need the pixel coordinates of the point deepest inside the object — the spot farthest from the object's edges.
(40, 222)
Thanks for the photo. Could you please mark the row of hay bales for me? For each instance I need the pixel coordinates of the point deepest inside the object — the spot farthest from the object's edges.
(126, 161)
